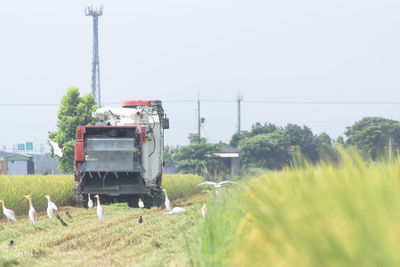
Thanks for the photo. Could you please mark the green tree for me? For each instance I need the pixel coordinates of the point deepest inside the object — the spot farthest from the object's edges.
(196, 157)
(340, 141)
(256, 129)
(167, 154)
(235, 139)
(74, 110)
(326, 149)
(305, 139)
(371, 135)
(268, 150)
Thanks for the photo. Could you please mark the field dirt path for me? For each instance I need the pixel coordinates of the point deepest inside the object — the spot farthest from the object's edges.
(119, 241)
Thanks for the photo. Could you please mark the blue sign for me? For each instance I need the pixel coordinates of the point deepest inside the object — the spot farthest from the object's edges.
(29, 146)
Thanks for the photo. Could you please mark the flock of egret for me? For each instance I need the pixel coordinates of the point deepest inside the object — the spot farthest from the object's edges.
(52, 208)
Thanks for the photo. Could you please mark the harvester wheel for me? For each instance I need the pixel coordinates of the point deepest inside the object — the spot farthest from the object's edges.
(77, 199)
(158, 196)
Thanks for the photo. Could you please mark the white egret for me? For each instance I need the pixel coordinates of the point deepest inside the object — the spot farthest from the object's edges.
(140, 203)
(167, 203)
(57, 150)
(204, 210)
(10, 215)
(51, 207)
(175, 211)
(32, 212)
(100, 209)
(217, 185)
(90, 202)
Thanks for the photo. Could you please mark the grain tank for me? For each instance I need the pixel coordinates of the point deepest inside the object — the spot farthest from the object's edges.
(121, 157)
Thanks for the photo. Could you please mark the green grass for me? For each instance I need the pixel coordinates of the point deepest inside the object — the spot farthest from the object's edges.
(348, 215)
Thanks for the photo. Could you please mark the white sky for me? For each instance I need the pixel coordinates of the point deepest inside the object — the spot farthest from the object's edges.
(287, 50)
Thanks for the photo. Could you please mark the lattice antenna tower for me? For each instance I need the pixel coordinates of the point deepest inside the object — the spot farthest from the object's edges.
(95, 12)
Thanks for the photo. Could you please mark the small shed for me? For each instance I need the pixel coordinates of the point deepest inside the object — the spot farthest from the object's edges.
(230, 156)
(19, 164)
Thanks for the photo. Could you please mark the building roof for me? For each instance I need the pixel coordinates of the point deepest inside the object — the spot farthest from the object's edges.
(3, 153)
(227, 151)
(225, 148)
(20, 157)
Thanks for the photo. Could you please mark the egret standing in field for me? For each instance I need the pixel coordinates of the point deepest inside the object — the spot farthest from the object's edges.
(90, 202)
(99, 209)
(10, 215)
(140, 203)
(51, 207)
(32, 212)
(204, 210)
(167, 202)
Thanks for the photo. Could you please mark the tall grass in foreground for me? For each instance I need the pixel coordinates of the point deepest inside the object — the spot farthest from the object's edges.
(347, 215)
(13, 188)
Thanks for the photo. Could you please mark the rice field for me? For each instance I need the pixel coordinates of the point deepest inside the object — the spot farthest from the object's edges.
(342, 215)
(14, 188)
(60, 188)
(348, 215)
(181, 185)
(121, 240)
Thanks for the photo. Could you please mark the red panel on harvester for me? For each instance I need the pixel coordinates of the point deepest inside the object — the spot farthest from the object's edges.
(79, 151)
(135, 103)
(143, 134)
(80, 132)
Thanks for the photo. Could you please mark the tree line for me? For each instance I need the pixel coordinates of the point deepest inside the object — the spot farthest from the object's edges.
(266, 146)
(273, 147)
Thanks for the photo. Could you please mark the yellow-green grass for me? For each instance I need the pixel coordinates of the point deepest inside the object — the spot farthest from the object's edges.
(14, 188)
(60, 188)
(181, 185)
(119, 241)
(348, 215)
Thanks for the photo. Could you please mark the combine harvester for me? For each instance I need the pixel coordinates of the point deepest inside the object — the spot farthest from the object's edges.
(122, 162)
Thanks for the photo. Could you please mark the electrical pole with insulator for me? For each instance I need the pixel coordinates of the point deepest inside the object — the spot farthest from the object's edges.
(198, 117)
(239, 99)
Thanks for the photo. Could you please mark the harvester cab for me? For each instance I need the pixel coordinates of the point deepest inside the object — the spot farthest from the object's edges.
(122, 160)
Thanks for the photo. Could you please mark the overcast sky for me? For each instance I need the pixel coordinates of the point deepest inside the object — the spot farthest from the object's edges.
(287, 50)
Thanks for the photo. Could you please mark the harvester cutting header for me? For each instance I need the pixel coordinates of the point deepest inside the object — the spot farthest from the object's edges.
(123, 161)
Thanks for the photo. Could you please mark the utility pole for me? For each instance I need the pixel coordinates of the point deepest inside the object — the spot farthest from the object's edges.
(390, 149)
(95, 13)
(239, 99)
(198, 116)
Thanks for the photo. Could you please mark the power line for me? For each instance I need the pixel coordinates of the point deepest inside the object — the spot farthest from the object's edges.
(325, 102)
(27, 104)
(230, 101)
